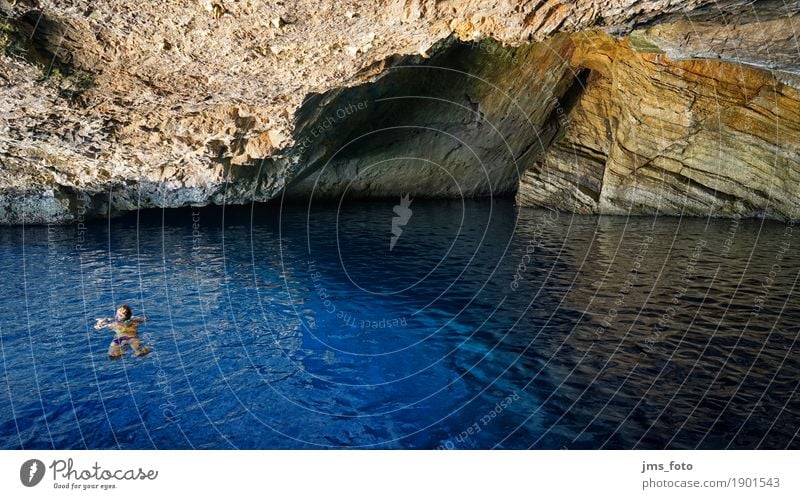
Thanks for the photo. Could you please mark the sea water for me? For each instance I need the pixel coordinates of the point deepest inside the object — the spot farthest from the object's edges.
(392, 324)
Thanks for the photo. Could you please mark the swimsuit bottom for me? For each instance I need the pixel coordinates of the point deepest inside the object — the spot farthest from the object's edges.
(122, 340)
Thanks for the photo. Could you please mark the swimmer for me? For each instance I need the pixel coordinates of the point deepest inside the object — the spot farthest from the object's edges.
(126, 329)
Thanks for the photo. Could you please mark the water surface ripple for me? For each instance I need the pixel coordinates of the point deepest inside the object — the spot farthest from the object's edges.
(484, 326)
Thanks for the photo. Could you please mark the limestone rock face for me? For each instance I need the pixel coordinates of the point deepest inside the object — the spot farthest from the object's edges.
(653, 134)
(467, 122)
(111, 106)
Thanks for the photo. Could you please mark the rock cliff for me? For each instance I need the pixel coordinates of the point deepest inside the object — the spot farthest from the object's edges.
(616, 106)
(655, 133)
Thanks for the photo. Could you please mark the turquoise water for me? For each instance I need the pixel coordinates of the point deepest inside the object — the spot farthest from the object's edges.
(484, 326)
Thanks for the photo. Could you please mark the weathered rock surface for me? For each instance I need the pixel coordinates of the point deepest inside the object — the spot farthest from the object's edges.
(466, 123)
(652, 134)
(109, 106)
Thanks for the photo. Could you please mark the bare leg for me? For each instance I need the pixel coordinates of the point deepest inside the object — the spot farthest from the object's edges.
(138, 349)
(114, 351)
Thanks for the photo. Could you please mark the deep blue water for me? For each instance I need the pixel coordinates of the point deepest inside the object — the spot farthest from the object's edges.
(485, 326)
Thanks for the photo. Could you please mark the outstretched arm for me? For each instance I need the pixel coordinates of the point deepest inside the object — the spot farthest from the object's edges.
(101, 323)
(139, 320)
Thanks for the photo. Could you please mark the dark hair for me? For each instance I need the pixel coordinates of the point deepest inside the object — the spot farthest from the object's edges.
(127, 310)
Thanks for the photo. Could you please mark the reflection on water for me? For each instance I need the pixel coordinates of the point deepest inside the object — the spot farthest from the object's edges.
(482, 326)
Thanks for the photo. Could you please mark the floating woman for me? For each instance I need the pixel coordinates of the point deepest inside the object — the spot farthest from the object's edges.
(126, 329)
